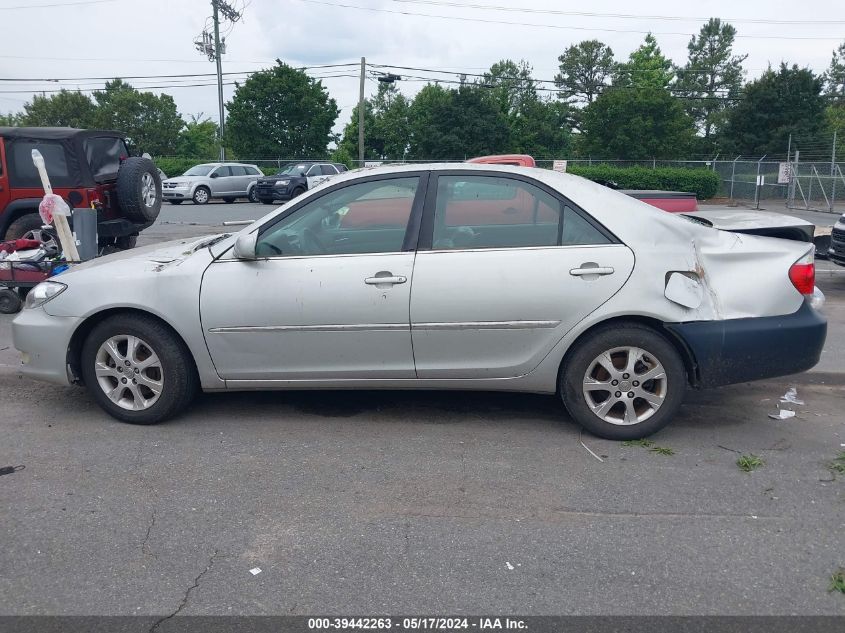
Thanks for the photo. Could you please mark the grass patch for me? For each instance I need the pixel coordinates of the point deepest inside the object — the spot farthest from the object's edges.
(660, 450)
(643, 443)
(837, 581)
(749, 462)
(838, 464)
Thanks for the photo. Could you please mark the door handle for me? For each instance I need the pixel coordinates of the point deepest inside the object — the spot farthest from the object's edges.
(598, 270)
(388, 280)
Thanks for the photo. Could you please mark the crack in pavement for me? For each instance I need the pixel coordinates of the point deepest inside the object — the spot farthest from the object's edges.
(144, 547)
(184, 601)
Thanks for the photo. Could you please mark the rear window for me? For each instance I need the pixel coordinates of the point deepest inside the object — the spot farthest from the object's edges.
(103, 154)
(22, 172)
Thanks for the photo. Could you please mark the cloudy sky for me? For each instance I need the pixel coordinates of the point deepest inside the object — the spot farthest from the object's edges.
(83, 40)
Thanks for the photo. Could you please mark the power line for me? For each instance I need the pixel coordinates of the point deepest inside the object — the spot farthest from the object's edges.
(549, 26)
(626, 16)
(55, 5)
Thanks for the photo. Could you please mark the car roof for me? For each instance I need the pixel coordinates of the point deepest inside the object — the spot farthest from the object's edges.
(54, 133)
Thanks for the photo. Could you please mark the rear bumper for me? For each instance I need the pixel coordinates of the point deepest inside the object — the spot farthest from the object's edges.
(740, 350)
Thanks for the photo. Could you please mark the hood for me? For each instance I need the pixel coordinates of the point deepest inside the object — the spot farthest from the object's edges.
(152, 258)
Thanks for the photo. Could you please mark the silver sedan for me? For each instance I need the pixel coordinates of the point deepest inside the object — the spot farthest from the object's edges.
(436, 277)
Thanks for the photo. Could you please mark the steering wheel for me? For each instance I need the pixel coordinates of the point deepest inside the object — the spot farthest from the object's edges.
(311, 244)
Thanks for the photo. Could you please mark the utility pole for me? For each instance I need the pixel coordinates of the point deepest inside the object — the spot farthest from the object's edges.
(217, 57)
(361, 113)
(214, 49)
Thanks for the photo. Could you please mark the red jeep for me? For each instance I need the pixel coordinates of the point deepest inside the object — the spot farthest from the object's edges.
(86, 168)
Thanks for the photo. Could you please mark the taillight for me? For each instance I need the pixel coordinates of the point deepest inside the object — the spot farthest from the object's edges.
(802, 274)
(93, 196)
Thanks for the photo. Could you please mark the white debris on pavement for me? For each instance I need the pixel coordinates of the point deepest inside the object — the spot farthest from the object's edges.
(255, 571)
(782, 414)
(791, 396)
(510, 567)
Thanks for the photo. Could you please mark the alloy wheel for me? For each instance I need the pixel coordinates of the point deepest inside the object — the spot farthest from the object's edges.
(148, 190)
(625, 385)
(129, 372)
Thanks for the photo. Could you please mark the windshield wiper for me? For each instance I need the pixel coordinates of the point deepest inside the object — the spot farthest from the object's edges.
(211, 241)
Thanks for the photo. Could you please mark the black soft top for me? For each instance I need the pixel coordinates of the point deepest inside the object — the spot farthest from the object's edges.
(73, 158)
(54, 133)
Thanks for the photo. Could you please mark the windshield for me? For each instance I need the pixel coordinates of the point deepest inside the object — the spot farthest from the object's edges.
(292, 169)
(199, 170)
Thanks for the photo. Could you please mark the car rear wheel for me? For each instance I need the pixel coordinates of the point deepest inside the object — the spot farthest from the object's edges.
(253, 195)
(23, 225)
(137, 369)
(623, 382)
(201, 195)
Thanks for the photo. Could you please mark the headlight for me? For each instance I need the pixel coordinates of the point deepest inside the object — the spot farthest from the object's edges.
(283, 183)
(42, 293)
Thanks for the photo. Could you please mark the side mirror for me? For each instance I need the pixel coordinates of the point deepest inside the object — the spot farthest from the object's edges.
(245, 246)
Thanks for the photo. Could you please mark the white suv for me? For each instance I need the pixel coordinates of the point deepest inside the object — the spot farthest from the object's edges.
(201, 183)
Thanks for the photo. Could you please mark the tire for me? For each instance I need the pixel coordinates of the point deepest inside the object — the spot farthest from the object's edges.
(297, 192)
(126, 242)
(266, 200)
(176, 201)
(23, 225)
(174, 372)
(139, 189)
(10, 301)
(201, 195)
(228, 200)
(665, 390)
(252, 195)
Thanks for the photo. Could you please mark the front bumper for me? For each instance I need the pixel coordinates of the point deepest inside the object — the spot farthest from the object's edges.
(176, 193)
(739, 350)
(273, 192)
(43, 341)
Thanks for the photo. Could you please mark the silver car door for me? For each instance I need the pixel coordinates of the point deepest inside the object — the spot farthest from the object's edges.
(329, 296)
(220, 180)
(510, 270)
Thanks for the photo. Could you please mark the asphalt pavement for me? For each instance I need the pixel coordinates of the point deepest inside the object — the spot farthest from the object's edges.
(429, 503)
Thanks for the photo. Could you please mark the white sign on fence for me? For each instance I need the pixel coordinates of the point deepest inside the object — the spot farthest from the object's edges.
(784, 172)
(559, 165)
(373, 163)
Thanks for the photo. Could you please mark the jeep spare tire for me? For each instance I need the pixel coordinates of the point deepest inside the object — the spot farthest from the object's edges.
(139, 189)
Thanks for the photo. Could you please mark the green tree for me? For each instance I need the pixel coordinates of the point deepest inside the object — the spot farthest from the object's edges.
(835, 77)
(779, 103)
(646, 67)
(456, 123)
(585, 69)
(386, 126)
(198, 139)
(11, 119)
(62, 109)
(636, 123)
(711, 76)
(511, 85)
(542, 129)
(281, 113)
(151, 122)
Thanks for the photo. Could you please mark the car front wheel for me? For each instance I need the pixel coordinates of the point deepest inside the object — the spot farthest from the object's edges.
(137, 369)
(623, 382)
(201, 195)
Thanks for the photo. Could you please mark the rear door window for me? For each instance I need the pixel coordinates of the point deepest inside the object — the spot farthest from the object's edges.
(22, 172)
(104, 154)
